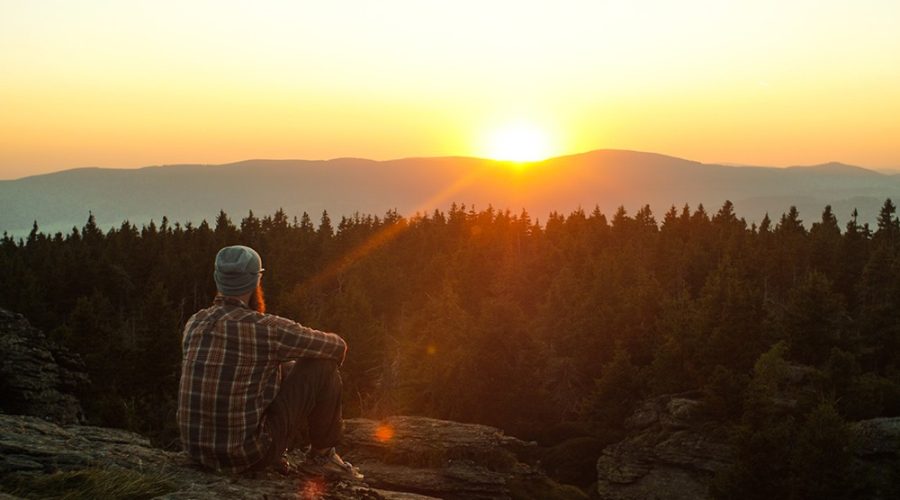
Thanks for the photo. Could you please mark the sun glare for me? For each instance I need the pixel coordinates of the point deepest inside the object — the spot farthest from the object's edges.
(519, 142)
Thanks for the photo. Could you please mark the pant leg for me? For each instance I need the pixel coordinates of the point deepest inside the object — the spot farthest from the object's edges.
(310, 393)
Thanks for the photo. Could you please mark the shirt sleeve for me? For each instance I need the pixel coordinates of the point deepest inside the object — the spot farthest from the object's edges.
(291, 340)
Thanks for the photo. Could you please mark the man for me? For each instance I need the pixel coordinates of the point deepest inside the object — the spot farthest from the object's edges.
(250, 379)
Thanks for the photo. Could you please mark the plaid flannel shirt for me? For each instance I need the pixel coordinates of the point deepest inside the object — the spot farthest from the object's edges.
(231, 371)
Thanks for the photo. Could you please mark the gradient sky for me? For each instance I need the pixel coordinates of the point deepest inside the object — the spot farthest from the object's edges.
(134, 83)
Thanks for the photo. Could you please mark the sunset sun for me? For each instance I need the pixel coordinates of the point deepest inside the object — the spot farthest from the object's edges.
(519, 142)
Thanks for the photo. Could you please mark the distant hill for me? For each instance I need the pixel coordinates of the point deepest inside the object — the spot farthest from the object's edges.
(603, 178)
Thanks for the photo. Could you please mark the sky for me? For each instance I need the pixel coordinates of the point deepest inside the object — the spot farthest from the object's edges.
(135, 83)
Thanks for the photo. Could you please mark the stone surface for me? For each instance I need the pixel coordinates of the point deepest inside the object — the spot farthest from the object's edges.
(436, 457)
(422, 459)
(37, 376)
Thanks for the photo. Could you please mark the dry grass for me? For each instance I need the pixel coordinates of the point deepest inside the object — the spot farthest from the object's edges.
(90, 483)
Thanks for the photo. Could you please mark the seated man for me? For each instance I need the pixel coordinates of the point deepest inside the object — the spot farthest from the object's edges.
(238, 407)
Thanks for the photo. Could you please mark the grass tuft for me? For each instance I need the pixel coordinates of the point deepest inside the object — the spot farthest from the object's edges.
(90, 483)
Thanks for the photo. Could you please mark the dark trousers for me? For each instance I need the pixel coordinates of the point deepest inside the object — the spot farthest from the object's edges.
(310, 397)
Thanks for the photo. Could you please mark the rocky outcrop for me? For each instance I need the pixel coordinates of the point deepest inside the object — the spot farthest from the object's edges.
(37, 376)
(670, 453)
(673, 451)
(402, 457)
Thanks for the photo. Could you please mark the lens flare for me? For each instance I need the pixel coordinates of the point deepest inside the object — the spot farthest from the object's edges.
(384, 433)
(313, 489)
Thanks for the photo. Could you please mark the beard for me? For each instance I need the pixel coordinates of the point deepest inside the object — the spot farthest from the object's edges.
(257, 300)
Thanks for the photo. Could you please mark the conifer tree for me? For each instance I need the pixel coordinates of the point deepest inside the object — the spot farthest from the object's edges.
(888, 233)
(825, 244)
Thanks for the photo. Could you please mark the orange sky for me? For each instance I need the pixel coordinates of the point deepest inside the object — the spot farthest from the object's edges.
(133, 83)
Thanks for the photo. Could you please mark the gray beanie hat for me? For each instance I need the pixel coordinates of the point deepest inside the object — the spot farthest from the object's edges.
(238, 269)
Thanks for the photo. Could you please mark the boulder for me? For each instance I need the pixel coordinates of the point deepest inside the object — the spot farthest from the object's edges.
(670, 453)
(877, 447)
(438, 457)
(877, 437)
(38, 377)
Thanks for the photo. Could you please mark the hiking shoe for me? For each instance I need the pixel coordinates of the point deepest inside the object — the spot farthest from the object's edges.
(331, 462)
(284, 467)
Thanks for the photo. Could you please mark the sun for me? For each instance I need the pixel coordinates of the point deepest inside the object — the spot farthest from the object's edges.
(519, 142)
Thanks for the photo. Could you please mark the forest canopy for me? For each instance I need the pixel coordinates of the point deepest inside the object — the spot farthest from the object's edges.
(489, 316)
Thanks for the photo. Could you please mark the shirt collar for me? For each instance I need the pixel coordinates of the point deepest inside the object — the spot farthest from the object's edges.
(222, 300)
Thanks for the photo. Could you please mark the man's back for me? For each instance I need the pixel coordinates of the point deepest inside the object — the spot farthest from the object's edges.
(231, 372)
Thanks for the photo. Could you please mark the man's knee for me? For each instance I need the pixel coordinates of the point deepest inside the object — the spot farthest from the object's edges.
(314, 372)
(325, 365)
(307, 367)
(324, 368)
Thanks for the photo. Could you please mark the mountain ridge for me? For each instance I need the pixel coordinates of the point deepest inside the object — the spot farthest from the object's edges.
(606, 178)
(831, 165)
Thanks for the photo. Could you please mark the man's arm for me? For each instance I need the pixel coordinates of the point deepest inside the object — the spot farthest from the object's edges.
(291, 340)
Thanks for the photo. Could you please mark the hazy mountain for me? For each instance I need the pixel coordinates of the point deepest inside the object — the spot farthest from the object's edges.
(605, 178)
